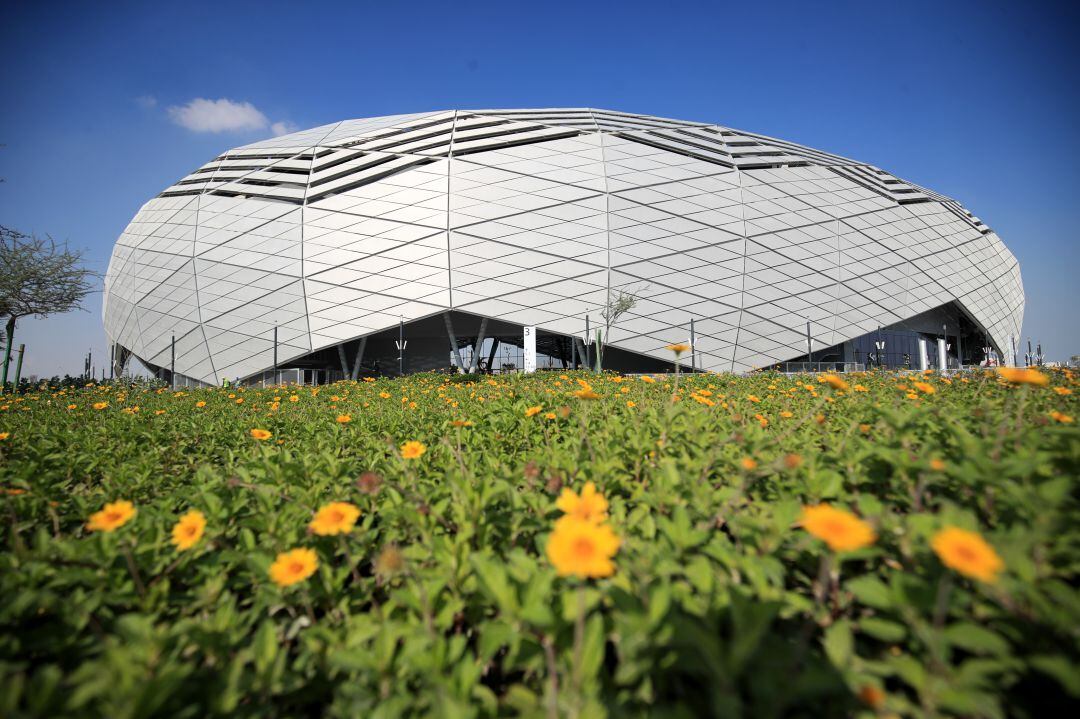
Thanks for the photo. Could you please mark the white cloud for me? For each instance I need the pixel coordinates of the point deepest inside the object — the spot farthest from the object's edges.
(224, 115)
(146, 102)
(282, 128)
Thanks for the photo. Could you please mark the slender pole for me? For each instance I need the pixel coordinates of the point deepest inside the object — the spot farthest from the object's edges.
(275, 381)
(401, 347)
(172, 364)
(588, 353)
(18, 367)
(809, 344)
(693, 347)
(7, 351)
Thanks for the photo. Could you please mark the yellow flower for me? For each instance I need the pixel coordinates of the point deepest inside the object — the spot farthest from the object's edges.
(533, 411)
(679, 348)
(112, 517)
(703, 400)
(841, 530)
(549, 415)
(1061, 417)
(294, 566)
(860, 388)
(629, 403)
(159, 412)
(748, 464)
(924, 387)
(912, 395)
(938, 465)
(833, 381)
(786, 415)
(261, 434)
(753, 399)
(334, 518)
(585, 394)
(294, 398)
(412, 449)
(1016, 375)
(967, 553)
(648, 379)
(1063, 391)
(4, 435)
(200, 404)
(589, 506)
(582, 549)
(461, 423)
(75, 406)
(188, 530)
(100, 405)
(344, 419)
(240, 400)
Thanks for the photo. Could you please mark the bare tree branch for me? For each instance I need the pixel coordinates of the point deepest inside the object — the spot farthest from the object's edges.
(39, 278)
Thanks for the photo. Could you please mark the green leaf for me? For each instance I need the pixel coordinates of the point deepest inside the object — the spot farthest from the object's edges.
(839, 644)
(871, 591)
(976, 639)
(265, 646)
(883, 629)
(1060, 668)
(494, 582)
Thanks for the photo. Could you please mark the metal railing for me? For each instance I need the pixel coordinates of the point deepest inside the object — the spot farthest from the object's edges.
(804, 367)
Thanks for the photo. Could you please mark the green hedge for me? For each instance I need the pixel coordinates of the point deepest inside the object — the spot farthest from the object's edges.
(441, 601)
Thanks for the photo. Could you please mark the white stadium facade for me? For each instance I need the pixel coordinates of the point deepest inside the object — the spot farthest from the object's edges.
(307, 257)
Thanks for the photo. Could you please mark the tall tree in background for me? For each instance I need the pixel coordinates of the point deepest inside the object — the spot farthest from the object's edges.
(38, 278)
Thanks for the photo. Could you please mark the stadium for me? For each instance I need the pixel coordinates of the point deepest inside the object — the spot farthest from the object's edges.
(316, 255)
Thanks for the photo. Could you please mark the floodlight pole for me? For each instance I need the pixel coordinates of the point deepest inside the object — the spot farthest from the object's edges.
(275, 356)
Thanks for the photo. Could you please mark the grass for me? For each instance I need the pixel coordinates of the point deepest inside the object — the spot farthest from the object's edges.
(441, 600)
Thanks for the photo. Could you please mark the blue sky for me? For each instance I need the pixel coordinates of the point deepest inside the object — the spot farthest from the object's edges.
(975, 100)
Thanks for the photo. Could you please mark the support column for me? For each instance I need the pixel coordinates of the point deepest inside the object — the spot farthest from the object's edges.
(581, 351)
(344, 362)
(453, 344)
(359, 356)
(491, 355)
(479, 343)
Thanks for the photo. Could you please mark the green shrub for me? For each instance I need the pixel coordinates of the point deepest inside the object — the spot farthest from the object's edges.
(441, 601)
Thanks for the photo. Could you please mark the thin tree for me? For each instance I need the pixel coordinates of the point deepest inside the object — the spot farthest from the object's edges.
(38, 278)
(619, 302)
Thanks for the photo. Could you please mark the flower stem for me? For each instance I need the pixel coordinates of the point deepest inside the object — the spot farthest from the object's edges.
(134, 570)
(941, 603)
(553, 678)
(579, 641)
